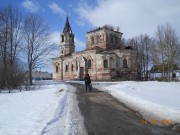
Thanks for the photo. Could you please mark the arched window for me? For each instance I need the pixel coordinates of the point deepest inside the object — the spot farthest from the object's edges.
(105, 62)
(101, 38)
(112, 39)
(62, 38)
(72, 38)
(125, 63)
(72, 67)
(57, 69)
(76, 65)
(66, 68)
(89, 63)
(98, 39)
(92, 40)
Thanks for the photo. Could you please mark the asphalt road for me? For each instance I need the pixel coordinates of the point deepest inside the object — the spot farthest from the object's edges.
(103, 115)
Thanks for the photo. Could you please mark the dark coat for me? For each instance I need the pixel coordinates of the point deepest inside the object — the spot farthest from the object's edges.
(87, 80)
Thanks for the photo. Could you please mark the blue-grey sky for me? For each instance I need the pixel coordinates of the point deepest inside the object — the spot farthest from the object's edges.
(133, 17)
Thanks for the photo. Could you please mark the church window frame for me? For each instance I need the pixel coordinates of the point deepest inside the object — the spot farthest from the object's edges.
(57, 69)
(92, 40)
(105, 63)
(76, 65)
(66, 68)
(101, 38)
(112, 38)
(62, 38)
(98, 38)
(89, 64)
(72, 67)
(125, 63)
(73, 39)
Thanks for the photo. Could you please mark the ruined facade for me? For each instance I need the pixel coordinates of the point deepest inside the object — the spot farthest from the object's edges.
(104, 57)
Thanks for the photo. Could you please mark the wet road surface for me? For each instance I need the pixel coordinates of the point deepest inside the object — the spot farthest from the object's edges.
(103, 115)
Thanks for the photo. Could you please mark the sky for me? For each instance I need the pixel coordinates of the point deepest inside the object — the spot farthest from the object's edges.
(133, 17)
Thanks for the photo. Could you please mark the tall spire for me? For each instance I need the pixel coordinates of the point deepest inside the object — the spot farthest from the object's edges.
(67, 27)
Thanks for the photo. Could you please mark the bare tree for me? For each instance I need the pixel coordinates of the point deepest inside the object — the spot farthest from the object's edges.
(10, 21)
(168, 47)
(143, 44)
(161, 46)
(36, 42)
(171, 48)
(3, 41)
(154, 55)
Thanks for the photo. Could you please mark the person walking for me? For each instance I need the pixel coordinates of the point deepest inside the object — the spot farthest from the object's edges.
(87, 80)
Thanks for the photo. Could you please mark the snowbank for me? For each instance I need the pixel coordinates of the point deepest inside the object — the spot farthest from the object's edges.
(154, 100)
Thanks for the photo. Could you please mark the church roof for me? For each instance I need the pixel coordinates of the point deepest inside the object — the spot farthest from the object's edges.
(67, 27)
(106, 27)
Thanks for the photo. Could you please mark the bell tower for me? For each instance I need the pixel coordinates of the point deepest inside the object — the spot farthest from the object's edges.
(67, 40)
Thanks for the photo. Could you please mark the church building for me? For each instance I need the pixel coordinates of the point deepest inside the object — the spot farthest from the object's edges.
(103, 59)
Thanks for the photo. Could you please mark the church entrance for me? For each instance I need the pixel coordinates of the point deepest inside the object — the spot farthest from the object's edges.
(81, 73)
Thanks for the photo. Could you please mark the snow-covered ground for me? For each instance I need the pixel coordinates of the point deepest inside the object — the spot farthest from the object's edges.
(51, 108)
(153, 100)
(48, 110)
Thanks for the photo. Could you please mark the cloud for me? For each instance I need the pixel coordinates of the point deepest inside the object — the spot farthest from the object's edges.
(79, 45)
(57, 9)
(55, 40)
(133, 17)
(29, 5)
(55, 37)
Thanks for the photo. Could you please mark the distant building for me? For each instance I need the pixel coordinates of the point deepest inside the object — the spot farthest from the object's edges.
(104, 58)
(156, 72)
(39, 75)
